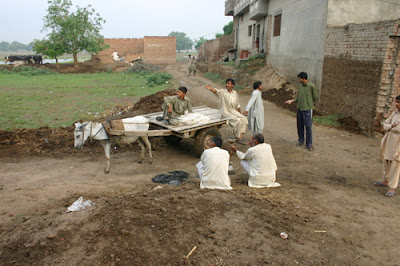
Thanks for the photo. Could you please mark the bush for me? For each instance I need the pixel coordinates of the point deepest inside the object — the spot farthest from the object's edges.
(158, 79)
(31, 71)
(257, 56)
(4, 71)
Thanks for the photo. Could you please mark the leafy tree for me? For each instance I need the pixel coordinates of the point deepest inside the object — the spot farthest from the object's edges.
(76, 31)
(52, 47)
(228, 28)
(182, 41)
(218, 35)
(199, 42)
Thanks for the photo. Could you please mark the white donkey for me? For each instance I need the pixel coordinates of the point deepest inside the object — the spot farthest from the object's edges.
(95, 130)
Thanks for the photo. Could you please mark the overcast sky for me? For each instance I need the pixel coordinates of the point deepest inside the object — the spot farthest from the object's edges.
(22, 20)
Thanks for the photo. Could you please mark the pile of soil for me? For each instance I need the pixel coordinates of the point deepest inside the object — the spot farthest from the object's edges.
(280, 96)
(350, 124)
(160, 226)
(47, 141)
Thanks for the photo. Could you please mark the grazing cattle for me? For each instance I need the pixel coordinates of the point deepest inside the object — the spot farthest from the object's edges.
(97, 131)
(116, 58)
(35, 59)
(13, 58)
(22, 59)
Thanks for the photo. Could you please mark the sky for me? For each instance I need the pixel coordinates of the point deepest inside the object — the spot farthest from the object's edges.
(22, 20)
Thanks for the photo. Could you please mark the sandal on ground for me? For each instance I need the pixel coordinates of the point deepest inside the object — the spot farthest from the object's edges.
(380, 184)
(389, 194)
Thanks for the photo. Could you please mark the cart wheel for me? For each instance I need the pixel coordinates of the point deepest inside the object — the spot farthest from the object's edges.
(202, 136)
(172, 140)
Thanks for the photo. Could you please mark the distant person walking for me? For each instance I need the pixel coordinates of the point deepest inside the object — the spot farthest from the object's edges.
(390, 151)
(192, 66)
(255, 109)
(307, 95)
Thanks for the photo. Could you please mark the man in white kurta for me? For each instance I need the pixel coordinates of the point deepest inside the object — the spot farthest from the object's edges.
(259, 163)
(229, 108)
(255, 109)
(213, 166)
(390, 151)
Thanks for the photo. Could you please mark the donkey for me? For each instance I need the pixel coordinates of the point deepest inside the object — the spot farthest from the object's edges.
(95, 130)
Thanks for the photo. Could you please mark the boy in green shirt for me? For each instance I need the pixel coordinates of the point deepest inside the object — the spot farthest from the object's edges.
(307, 95)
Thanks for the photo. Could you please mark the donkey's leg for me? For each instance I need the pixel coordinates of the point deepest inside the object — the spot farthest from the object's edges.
(107, 151)
(142, 149)
(148, 144)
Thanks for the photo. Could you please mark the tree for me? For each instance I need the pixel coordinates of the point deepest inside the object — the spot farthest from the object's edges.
(199, 42)
(218, 35)
(77, 31)
(182, 41)
(228, 28)
(52, 47)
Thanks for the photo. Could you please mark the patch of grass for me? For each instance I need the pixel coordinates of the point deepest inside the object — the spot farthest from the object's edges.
(257, 56)
(228, 63)
(158, 79)
(214, 77)
(329, 121)
(56, 100)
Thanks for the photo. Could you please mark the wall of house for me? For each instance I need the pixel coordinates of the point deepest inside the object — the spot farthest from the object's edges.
(357, 64)
(245, 42)
(301, 42)
(159, 50)
(131, 48)
(215, 50)
(342, 12)
(154, 49)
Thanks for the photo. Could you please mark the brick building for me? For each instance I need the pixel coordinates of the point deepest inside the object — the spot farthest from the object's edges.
(153, 49)
(350, 49)
(215, 50)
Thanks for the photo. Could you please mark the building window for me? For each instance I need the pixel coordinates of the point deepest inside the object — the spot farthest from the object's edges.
(250, 29)
(277, 25)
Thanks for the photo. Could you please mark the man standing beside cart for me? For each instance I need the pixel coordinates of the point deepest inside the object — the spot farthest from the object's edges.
(229, 108)
(175, 106)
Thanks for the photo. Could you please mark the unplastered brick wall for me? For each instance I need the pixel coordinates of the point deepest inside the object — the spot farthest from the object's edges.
(215, 50)
(130, 48)
(159, 50)
(354, 72)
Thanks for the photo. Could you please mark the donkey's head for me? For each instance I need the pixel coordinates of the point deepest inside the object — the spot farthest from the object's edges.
(81, 134)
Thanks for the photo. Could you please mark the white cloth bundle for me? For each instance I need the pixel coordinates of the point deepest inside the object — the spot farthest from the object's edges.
(193, 118)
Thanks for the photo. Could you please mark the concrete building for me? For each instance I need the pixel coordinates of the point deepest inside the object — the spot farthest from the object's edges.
(349, 48)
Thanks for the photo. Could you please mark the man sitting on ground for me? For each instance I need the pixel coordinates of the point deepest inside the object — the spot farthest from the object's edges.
(259, 163)
(213, 166)
(175, 106)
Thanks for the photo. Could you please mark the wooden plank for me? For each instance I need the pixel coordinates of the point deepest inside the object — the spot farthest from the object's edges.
(161, 113)
(150, 133)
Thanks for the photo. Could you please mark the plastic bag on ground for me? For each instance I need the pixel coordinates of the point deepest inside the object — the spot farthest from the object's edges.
(79, 204)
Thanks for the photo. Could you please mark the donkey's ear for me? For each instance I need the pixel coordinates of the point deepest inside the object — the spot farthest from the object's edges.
(85, 124)
(78, 124)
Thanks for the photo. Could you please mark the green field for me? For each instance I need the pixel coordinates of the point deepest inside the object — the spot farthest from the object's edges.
(33, 101)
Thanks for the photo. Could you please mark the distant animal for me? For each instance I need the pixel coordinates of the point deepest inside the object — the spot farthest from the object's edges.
(116, 58)
(35, 59)
(97, 131)
(23, 59)
(13, 58)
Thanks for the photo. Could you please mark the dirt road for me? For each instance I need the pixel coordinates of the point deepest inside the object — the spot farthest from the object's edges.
(327, 204)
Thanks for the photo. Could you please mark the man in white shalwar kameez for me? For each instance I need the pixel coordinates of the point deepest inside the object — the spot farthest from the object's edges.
(259, 163)
(213, 166)
(229, 108)
(390, 151)
(255, 109)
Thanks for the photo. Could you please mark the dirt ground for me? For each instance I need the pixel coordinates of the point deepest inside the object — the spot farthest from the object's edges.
(327, 204)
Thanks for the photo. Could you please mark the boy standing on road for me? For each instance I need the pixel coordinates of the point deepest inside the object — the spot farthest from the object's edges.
(255, 109)
(390, 151)
(307, 95)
